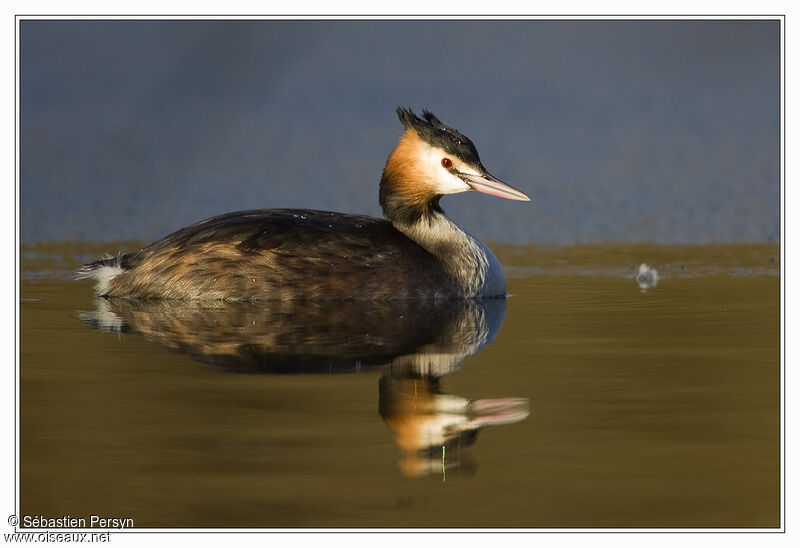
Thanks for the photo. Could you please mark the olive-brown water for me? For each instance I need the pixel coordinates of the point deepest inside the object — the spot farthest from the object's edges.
(594, 403)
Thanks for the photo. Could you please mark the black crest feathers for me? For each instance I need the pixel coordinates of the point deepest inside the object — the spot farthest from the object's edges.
(431, 130)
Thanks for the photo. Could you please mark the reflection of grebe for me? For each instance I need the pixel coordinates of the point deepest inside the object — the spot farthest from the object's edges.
(412, 343)
(428, 424)
(298, 337)
(287, 254)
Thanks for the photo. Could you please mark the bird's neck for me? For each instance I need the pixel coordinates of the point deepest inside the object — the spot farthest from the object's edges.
(466, 259)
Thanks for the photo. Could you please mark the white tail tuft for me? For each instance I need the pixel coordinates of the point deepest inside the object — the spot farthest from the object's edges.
(103, 271)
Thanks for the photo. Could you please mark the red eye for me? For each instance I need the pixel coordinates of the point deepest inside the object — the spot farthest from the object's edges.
(447, 163)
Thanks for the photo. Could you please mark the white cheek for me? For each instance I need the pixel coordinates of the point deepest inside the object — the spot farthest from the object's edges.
(443, 181)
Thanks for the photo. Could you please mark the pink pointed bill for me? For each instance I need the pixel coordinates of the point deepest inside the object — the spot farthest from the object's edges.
(489, 185)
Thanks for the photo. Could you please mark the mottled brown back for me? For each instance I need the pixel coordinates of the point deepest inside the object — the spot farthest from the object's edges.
(283, 254)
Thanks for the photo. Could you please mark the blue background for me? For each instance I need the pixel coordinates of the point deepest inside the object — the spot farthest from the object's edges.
(660, 131)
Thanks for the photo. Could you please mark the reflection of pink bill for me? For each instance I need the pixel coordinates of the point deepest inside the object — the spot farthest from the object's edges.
(498, 411)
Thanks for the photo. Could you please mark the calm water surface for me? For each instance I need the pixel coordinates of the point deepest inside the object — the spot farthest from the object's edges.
(580, 401)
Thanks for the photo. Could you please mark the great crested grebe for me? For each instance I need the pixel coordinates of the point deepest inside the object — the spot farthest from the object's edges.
(417, 253)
